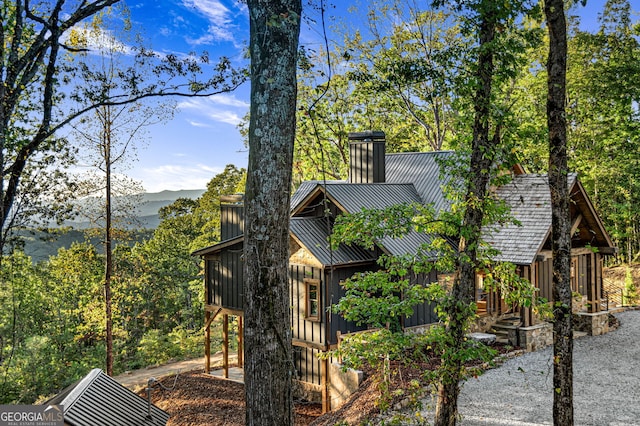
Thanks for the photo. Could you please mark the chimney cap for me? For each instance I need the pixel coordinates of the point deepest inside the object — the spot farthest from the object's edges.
(367, 135)
(235, 198)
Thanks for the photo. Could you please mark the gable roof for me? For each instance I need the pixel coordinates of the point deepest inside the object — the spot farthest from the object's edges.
(410, 178)
(529, 198)
(353, 197)
(98, 400)
(423, 170)
(416, 177)
(312, 234)
(530, 202)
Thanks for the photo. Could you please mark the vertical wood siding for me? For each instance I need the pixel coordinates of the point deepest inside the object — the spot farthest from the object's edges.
(224, 278)
(424, 313)
(307, 364)
(335, 293)
(303, 329)
(545, 278)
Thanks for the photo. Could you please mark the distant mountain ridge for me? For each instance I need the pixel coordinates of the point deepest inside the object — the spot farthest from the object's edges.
(40, 245)
(150, 204)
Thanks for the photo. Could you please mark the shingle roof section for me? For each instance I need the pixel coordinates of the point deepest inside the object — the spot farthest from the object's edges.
(530, 202)
(98, 400)
(312, 233)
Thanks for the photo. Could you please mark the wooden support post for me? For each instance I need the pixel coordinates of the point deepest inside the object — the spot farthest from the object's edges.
(593, 297)
(207, 342)
(240, 342)
(324, 379)
(225, 346)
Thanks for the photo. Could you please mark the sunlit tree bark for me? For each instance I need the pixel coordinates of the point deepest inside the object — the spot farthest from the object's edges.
(268, 373)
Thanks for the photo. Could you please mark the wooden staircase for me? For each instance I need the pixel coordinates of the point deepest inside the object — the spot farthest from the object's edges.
(505, 327)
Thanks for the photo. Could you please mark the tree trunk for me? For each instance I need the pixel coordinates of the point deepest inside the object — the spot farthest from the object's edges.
(275, 27)
(480, 165)
(561, 222)
(108, 267)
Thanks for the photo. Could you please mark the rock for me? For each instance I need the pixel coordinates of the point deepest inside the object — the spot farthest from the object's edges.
(486, 338)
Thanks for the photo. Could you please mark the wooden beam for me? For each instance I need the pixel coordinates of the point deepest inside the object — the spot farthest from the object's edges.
(324, 379)
(228, 311)
(240, 343)
(305, 344)
(225, 346)
(576, 223)
(207, 341)
(209, 320)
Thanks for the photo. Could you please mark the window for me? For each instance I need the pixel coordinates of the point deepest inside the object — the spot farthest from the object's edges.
(312, 299)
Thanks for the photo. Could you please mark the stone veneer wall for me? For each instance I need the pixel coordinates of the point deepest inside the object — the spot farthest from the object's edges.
(594, 324)
(536, 336)
(307, 391)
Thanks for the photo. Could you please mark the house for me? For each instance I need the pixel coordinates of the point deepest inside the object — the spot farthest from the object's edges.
(98, 400)
(378, 180)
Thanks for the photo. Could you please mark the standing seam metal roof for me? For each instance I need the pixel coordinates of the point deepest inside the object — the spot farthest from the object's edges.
(312, 233)
(98, 400)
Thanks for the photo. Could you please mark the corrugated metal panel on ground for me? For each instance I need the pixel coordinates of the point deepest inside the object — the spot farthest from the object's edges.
(98, 400)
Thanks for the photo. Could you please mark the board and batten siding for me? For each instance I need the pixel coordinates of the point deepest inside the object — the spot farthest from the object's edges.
(224, 278)
(302, 328)
(424, 313)
(308, 365)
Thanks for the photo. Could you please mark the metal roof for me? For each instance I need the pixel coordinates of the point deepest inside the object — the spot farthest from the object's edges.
(306, 188)
(353, 197)
(422, 169)
(312, 234)
(219, 246)
(98, 400)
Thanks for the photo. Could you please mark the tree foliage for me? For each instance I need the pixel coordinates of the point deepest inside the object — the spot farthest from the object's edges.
(46, 84)
(52, 326)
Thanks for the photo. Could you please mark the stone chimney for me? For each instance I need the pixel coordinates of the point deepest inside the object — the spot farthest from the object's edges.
(366, 157)
(231, 216)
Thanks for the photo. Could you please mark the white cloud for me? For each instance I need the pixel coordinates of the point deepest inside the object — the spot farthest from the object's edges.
(223, 109)
(96, 40)
(229, 100)
(214, 10)
(176, 177)
(221, 18)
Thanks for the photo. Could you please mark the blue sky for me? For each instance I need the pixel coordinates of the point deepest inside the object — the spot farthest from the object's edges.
(186, 152)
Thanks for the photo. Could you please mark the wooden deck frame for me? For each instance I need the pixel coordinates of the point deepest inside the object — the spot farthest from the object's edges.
(210, 314)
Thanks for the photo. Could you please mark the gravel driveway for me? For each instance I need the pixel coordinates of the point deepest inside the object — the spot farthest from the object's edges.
(606, 374)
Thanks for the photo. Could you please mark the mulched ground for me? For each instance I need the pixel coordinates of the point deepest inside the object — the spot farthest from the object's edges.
(200, 399)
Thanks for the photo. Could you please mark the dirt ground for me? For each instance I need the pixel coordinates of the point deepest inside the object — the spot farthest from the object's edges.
(200, 399)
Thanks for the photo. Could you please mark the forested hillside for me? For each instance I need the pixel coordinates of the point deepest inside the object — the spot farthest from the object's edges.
(413, 81)
(52, 316)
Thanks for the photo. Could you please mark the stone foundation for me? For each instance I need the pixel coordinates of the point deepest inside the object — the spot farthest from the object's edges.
(535, 337)
(594, 324)
(342, 384)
